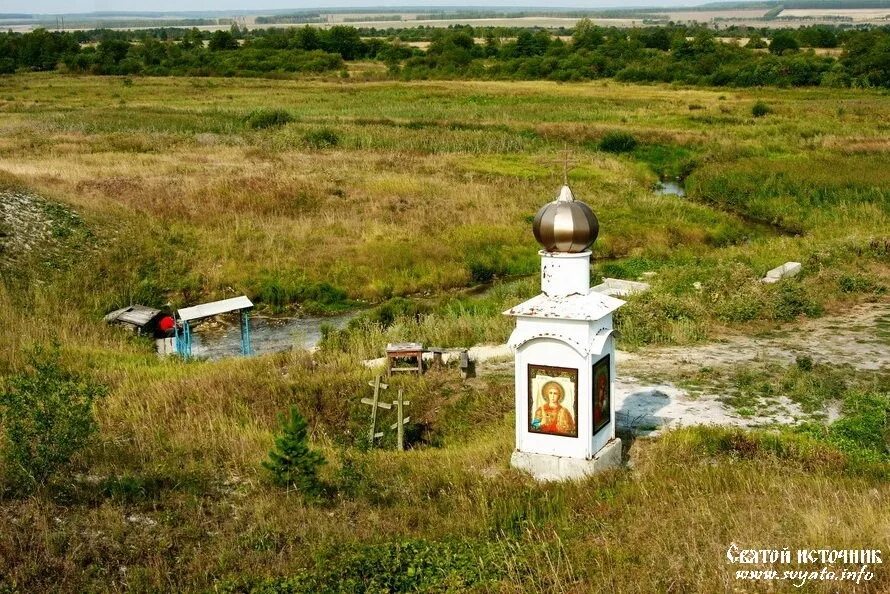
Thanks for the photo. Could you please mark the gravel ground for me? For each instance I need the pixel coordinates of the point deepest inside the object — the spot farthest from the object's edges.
(34, 229)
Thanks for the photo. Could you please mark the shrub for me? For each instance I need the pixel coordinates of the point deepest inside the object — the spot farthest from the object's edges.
(859, 283)
(268, 118)
(282, 289)
(865, 426)
(792, 300)
(618, 142)
(291, 462)
(760, 109)
(387, 313)
(783, 42)
(756, 42)
(47, 417)
(407, 565)
(321, 139)
(484, 270)
(222, 40)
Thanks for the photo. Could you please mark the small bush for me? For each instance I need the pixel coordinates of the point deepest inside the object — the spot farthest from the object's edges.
(487, 262)
(291, 462)
(321, 139)
(760, 109)
(407, 565)
(792, 300)
(744, 305)
(618, 142)
(859, 283)
(268, 118)
(47, 417)
(484, 270)
(865, 427)
(387, 313)
(282, 289)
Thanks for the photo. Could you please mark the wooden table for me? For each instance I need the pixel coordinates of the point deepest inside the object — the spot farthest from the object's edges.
(412, 351)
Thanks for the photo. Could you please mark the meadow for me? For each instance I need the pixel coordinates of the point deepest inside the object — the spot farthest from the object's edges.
(320, 195)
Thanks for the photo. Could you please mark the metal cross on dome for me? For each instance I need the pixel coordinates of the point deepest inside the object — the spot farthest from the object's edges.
(566, 163)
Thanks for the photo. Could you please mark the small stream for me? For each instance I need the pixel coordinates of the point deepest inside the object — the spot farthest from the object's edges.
(267, 335)
(677, 188)
(670, 188)
(220, 337)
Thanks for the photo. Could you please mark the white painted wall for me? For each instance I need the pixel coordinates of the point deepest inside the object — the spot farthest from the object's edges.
(557, 353)
(565, 274)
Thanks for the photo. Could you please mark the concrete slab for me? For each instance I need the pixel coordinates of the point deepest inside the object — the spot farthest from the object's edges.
(786, 270)
(547, 468)
(616, 287)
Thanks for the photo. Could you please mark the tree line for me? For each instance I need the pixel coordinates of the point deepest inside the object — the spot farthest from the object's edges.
(689, 55)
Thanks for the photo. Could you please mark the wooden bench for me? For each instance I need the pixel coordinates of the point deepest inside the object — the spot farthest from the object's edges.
(464, 360)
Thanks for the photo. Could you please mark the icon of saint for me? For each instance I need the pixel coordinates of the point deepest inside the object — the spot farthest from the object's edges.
(552, 416)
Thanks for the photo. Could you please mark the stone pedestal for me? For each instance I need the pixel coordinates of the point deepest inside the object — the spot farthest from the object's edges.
(545, 467)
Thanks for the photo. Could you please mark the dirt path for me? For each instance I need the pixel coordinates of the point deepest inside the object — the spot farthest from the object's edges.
(648, 400)
(859, 337)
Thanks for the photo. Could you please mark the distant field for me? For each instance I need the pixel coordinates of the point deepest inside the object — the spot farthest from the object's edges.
(857, 14)
(708, 15)
(408, 21)
(549, 22)
(749, 17)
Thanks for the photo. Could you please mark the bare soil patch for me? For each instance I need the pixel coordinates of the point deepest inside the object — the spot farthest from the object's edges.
(33, 229)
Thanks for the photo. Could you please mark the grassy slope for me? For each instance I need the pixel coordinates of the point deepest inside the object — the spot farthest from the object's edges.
(429, 183)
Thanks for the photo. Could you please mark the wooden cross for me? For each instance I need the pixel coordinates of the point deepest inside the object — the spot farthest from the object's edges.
(375, 404)
(401, 420)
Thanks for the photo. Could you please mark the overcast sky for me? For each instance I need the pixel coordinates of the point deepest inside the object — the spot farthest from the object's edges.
(74, 6)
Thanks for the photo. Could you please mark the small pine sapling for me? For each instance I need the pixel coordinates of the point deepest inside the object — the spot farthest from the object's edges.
(291, 462)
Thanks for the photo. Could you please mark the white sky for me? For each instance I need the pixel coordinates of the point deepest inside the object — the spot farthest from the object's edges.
(76, 6)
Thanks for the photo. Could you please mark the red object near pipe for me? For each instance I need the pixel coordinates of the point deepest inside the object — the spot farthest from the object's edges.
(166, 324)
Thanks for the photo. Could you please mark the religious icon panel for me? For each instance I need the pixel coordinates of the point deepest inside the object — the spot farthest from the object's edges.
(602, 396)
(553, 400)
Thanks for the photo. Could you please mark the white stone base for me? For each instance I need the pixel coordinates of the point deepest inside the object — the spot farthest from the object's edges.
(545, 467)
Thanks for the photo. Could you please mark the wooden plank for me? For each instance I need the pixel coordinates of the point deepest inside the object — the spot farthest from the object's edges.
(385, 405)
(399, 425)
(404, 347)
(405, 421)
(205, 310)
(374, 404)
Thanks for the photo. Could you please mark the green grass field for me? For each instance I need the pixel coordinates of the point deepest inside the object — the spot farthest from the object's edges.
(394, 197)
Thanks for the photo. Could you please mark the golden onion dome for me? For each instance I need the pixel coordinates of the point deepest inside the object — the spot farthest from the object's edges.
(565, 225)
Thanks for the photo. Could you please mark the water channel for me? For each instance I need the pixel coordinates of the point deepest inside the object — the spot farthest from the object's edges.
(670, 188)
(267, 335)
